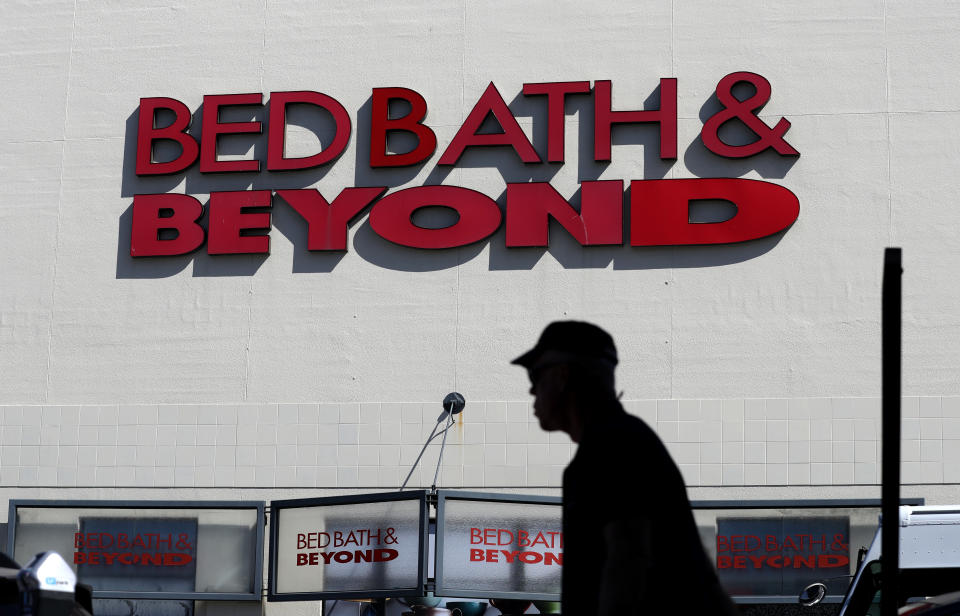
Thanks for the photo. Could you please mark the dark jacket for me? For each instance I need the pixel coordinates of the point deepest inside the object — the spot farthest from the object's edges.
(631, 545)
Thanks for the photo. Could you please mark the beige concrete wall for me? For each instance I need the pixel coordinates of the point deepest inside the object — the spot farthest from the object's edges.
(741, 442)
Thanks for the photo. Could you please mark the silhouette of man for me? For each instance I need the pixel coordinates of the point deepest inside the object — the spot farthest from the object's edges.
(630, 542)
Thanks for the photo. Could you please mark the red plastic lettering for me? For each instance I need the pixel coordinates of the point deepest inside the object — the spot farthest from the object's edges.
(660, 213)
(213, 128)
(385, 554)
(279, 101)
(148, 133)
(807, 561)
(744, 111)
(556, 93)
(476, 554)
(605, 118)
(327, 222)
(479, 217)
(736, 543)
(541, 539)
(302, 560)
(171, 559)
(381, 124)
(475, 536)
(363, 556)
(490, 103)
(531, 205)
(832, 560)
(147, 223)
(228, 220)
(523, 538)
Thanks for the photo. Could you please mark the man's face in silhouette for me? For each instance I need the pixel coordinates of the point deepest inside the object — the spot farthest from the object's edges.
(548, 385)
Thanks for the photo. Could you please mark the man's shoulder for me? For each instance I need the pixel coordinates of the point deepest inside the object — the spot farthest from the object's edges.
(621, 425)
(621, 439)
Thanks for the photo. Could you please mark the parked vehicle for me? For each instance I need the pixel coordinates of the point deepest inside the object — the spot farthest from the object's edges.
(942, 605)
(929, 562)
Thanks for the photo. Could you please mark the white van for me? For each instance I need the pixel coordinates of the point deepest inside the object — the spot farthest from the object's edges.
(929, 562)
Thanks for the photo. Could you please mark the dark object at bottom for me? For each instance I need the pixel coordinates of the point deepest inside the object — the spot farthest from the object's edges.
(466, 608)
(84, 597)
(48, 603)
(510, 606)
(15, 602)
(785, 609)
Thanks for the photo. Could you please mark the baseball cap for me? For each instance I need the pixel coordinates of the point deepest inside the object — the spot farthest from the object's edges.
(580, 339)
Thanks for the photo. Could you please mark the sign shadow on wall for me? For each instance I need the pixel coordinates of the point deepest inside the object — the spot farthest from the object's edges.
(703, 163)
(501, 160)
(204, 265)
(304, 118)
(398, 142)
(571, 255)
(307, 119)
(654, 167)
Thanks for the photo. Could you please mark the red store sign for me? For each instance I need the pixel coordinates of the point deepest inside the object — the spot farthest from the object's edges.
(779, 555)
(145, 549)
(496, 544)
(239, 221)
(360, 545)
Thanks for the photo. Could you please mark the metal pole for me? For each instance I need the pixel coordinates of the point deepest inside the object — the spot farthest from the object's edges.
(890, 487)
(453, 403)
(443, 444)
(424, 448)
